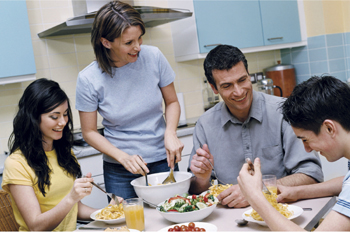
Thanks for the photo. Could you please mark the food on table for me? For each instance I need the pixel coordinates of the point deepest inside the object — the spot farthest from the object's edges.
(188, 203)
(111, 212)
(218, 188)
(190, 227)
(123, 228)
(282, 208)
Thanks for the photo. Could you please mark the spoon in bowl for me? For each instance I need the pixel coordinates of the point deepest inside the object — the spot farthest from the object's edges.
(170, 178)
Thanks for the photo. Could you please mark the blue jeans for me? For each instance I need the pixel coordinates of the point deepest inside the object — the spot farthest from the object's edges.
(117, 178)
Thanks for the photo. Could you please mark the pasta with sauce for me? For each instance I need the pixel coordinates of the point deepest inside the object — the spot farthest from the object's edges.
(111, 212)
(216, 189)
(281, 208)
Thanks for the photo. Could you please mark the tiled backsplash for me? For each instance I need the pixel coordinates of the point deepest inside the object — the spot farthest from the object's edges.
(61, 58)
(324, 55)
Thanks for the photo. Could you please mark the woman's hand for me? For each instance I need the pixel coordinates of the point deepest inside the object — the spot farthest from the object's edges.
(82, 187)
(134, 164)
(173, 148)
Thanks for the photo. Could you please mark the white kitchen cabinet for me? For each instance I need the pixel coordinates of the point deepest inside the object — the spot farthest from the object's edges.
(252, 26)
(186, 152)
(17, 62)
(94, 164)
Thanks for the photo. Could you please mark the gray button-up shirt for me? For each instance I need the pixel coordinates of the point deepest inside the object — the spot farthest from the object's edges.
(264, 134)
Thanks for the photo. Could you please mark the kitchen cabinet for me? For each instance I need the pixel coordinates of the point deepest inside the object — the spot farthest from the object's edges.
(17, 57)
(94, 164)
(186, 152)
(252, 26)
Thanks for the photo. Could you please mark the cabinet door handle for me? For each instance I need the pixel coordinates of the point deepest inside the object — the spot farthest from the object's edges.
(211, 45)
(274, 38)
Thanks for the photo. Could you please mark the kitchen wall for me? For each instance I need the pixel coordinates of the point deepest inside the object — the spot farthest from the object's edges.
(61, 58)
(328, 49)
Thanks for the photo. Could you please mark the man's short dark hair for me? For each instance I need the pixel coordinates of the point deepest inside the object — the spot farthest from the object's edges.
(223, 57)
(316, 100)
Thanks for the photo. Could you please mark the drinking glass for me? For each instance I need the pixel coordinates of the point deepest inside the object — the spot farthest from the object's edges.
(270, 182)
(134, 215)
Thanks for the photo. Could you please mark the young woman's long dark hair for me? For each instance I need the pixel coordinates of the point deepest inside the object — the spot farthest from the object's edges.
(40, 97)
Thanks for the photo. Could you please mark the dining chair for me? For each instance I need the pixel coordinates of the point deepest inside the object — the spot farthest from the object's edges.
(7, 218)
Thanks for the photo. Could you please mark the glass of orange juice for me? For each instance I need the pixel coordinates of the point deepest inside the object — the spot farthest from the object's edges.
(271, 183)
(134, 216)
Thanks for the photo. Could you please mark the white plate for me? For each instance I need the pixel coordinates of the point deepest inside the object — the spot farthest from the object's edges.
(297, 211)
(207, 226)
(112, 221)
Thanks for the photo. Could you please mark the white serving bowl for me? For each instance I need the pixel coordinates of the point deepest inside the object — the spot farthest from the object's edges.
(156, 193)
(193, 216)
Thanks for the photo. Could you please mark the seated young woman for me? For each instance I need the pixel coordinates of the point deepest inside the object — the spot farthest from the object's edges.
(41, 174)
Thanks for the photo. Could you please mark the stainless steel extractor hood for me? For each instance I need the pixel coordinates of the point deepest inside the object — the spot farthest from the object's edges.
(152, 16)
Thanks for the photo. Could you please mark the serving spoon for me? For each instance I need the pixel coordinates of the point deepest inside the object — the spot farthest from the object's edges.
(170, 178)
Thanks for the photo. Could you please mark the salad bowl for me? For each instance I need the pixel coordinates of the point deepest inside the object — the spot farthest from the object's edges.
(180, 209)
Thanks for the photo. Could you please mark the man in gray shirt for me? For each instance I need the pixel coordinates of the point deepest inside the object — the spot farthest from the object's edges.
(248, 124)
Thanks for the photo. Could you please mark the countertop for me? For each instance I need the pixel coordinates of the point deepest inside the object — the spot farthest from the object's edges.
(81, 151)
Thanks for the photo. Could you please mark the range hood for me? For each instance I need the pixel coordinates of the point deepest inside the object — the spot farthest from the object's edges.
(151, 16)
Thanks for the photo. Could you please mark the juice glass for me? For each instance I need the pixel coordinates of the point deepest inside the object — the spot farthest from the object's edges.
(134, 216)
(270, 182)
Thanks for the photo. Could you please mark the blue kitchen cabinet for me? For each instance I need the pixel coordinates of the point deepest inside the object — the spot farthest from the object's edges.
(16, 50)
(280, 21)
(228, 22)
(251, 25)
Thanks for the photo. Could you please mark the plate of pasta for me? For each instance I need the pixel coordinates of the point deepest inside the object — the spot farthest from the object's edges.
(112, 214)
(216, 189)
(289, 211)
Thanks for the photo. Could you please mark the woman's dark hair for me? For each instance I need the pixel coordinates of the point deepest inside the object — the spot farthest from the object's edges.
(40, 97)
(222, 57)
(110, 22)
(315, 100)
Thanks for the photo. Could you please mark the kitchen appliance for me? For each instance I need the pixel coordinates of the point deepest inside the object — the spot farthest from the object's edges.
(78, 139)
(85, 11)
(282, 75)
(182, 120)
(266, 85)
(210, 99)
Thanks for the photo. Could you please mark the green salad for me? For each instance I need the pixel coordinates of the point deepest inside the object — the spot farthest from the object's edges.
(188, 203)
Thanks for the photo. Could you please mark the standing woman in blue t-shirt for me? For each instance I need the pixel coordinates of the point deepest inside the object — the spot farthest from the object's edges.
(126, 85)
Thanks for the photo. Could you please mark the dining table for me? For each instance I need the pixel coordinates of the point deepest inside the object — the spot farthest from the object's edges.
(224, 217)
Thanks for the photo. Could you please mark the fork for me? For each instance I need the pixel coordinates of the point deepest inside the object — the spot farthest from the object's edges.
(211, 164)
(111, 195)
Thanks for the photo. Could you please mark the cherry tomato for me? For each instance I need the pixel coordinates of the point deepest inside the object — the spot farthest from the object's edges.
(197, 229)
(191, 225)
(202, 229)
(194, 197)
(170, 229)
(177, 228)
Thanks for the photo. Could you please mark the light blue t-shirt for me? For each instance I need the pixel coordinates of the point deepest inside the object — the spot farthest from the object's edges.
(130, 103)
(343, 204)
